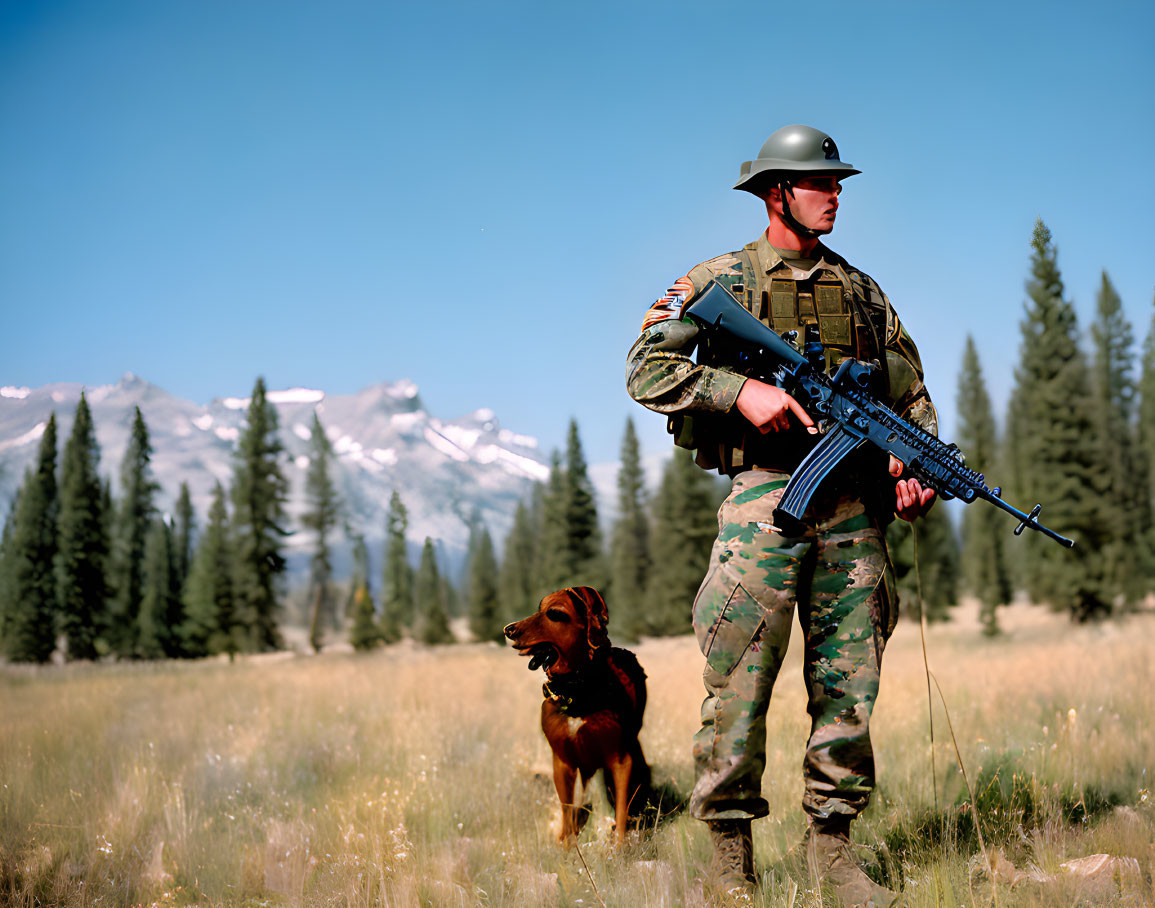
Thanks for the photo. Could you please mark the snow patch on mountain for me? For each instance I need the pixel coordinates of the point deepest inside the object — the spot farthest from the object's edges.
(512, 438)
(295, 396)
(31, 435)
(445, 445)
(406, 421)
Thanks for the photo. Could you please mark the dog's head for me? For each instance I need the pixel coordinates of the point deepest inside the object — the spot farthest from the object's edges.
(568, 627)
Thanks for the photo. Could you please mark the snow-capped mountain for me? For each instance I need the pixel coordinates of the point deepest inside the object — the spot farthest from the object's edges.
(383, 438)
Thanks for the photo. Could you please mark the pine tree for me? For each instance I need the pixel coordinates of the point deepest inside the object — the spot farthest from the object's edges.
(984, 567)
(160, 619)
(82, 557)
(571, 552)
(7, 566)
(134, 519)
(364, 633)
(552, 534)
(432, 616)
(630, 547)
(583, 563)
(1145, 457)
(686, 522)
(938, 563)
(1121, 504)
(320, 517)
(108, 515)
(30, 583)
(452, 599)
(183, 536)
(1051, 436)
(484, 618)
(516, 576)
(210, 613)
(397, 604)
(259, 493)
(360, 574)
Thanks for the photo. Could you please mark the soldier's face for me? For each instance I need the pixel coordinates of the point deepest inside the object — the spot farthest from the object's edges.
(814, 202)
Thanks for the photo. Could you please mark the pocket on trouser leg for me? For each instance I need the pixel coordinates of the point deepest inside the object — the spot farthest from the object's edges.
(727, 619)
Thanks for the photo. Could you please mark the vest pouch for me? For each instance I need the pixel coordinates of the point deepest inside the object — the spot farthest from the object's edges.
(834, 320)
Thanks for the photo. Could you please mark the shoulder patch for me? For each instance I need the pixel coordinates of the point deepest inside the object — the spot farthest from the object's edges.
(727, 262)
(669, 304)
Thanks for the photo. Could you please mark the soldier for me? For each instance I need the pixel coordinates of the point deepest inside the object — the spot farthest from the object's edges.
(836, 573)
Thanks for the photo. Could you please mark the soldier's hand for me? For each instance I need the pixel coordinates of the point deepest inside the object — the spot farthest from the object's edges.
(769, 407)
(911, 500)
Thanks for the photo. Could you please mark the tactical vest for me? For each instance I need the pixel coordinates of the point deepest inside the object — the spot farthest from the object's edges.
(844, 309)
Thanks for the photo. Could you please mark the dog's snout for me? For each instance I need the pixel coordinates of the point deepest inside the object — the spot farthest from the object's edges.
(512, 631)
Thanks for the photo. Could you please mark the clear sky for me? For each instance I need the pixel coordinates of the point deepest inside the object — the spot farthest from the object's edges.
(485, 197)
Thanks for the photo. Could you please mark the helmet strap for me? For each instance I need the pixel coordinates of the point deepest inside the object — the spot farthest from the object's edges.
(808, 233)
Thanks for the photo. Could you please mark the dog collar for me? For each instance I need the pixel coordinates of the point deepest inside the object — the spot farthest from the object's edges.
(564, 704)
(583, 691)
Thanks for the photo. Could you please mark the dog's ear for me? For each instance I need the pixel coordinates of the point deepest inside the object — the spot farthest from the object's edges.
(597, 616)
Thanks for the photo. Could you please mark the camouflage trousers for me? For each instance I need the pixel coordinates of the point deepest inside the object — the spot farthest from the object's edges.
(839, 577)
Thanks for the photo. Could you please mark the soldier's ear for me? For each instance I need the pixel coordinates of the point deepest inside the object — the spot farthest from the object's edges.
(597, 616)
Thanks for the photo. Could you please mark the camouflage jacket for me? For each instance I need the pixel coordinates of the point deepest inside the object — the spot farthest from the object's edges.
(850, 312)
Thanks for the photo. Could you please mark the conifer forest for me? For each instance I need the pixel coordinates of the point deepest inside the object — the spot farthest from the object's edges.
(87, 574)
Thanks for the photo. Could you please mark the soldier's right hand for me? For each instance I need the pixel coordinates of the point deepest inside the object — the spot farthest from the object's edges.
(769, 407)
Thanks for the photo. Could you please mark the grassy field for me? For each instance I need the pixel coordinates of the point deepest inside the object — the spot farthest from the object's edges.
(414, 776)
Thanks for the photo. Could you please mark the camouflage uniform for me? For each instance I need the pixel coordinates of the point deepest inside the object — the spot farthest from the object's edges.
(837, 572)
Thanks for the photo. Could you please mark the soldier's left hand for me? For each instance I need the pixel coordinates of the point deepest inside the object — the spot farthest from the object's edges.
(911, 500)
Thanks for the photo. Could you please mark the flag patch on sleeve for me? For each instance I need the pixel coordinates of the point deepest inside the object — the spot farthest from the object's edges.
(670, 303)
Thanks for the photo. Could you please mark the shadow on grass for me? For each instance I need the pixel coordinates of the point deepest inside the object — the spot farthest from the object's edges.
(662, 804)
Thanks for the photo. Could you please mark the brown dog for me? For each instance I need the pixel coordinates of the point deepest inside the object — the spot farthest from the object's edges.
(595, 695)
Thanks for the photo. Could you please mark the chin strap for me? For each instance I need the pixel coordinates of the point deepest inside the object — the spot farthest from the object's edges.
(809, 233)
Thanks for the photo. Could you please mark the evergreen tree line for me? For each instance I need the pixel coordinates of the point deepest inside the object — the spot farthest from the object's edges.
(104, 576)
(556, 542)
(110, 576)
(1079, 438)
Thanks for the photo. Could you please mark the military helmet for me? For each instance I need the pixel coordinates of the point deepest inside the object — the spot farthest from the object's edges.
(795, 150)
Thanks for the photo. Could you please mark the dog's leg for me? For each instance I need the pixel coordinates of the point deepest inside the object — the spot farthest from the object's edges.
(565, 780)
(621, 767)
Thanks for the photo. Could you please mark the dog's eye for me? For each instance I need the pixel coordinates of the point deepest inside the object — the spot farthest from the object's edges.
(556, 614)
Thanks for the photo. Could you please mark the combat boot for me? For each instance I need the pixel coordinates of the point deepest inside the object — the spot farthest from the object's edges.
(832, 864)
(733, 865)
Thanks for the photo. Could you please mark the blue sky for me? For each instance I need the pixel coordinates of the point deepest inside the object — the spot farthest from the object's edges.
(486, 197)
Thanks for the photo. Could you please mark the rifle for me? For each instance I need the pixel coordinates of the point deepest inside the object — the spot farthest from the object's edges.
(847, 414)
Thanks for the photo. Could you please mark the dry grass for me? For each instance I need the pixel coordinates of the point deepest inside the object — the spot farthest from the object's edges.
(417, 776)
